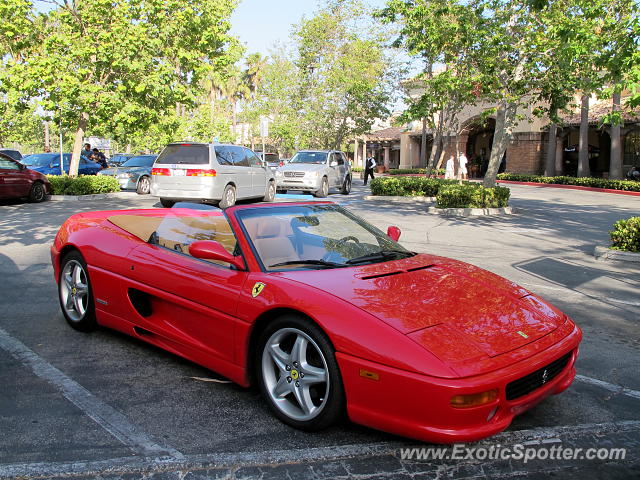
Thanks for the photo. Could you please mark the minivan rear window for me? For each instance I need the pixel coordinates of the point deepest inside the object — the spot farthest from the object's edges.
(177, 154)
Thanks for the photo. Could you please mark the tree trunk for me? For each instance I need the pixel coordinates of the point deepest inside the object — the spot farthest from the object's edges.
(77, 143)
(47, 141)
(128, 149)
(505, 117)
(436, 146)
(550, 167)
(583, 143)
(615, 163)
(423, 143)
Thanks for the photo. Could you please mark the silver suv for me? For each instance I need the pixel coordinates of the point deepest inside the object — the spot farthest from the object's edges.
(210, 173)
(315, 171)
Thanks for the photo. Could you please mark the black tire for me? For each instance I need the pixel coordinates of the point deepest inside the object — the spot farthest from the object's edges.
(332, 407)
(37, 193)
(346, 186)
(228, 197)
(324, 188)
(270, 195)
(78, 309)
(166, 203)
(144, 185)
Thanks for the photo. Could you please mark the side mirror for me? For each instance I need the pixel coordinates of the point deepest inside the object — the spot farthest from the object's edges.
(393, 233)
(211, 250)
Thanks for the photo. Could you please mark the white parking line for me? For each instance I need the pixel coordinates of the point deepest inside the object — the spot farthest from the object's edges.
(298, 456)
(610, 386)
(104, 415)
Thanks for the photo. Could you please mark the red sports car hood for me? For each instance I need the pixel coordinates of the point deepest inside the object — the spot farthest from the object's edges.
(450, 307)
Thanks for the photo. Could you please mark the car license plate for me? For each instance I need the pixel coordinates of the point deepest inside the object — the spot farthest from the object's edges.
(178, 172)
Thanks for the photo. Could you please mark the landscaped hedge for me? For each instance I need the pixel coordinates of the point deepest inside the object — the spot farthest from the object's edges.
(626, 235)
(628, 185)
(472, 195)
(415, 171)
(83, 185)
(408, 186)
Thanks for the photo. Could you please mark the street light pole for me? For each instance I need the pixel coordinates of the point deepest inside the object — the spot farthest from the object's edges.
(61, 158)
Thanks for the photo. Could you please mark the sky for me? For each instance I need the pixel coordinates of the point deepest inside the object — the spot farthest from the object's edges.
(261, 23)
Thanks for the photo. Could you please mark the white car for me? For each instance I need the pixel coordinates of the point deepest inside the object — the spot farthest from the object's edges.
(315, 171)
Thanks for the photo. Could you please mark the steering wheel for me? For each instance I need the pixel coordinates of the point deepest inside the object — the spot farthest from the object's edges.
(349, 237)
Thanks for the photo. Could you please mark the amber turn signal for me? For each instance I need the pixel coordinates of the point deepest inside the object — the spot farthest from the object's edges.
(474, 399)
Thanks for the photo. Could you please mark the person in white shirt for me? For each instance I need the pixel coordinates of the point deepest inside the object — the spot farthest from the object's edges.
(449, 171)
(369, 166)
(462, 164)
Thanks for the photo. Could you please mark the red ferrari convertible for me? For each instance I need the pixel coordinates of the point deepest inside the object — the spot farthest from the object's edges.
(324, 312)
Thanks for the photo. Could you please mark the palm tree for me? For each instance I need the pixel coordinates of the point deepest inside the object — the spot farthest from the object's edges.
(235, 89)
(256, 65)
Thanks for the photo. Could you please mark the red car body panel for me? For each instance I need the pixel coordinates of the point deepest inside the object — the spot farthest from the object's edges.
(457, 332)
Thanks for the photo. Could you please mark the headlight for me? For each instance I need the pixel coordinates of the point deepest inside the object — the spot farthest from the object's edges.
(279, 173)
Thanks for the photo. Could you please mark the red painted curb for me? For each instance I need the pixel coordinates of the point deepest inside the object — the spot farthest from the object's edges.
(572, 187)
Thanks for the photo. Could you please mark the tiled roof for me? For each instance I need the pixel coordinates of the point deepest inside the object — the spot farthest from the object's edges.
(598, 110)
(391, 133)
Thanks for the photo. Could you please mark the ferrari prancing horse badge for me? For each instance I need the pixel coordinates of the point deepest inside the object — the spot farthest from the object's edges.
(257, 289)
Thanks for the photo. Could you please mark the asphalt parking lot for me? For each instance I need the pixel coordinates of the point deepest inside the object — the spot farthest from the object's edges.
(106, 405)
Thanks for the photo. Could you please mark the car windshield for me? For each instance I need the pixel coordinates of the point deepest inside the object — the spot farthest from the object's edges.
(141, 161)
(315, 237)
(309, 157)
(40, 159)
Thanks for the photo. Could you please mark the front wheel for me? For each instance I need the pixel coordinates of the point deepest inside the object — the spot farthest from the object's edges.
(298, 373)
(166, 203)
(144, 186)
(346, 186)
(75, 293)
(37, 192)
(270, 195)
(324, 188)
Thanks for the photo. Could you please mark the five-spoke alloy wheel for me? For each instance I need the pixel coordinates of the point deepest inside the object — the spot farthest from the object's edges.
(298, 373)
(75, 294)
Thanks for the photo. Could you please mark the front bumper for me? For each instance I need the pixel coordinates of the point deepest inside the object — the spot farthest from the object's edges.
(418, 406)
(127, 183)
(298, 183)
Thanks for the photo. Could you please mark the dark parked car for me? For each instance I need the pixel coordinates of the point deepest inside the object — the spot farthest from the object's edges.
(17, 181)
(134, 174)
(15, 154)
(271, 159)
(49, 164)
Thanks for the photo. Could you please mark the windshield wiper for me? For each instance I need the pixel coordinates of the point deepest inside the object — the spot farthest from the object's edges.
(381, 255)
(319, 263)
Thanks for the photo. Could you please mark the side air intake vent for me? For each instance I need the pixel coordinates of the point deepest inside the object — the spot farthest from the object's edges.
(424, 267)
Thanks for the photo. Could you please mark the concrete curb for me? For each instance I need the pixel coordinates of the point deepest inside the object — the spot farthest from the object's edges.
(400, 199)
(470, 212)
(605, 253)
(95, 196)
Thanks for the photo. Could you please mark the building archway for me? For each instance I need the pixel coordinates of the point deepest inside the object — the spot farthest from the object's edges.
(479, 142)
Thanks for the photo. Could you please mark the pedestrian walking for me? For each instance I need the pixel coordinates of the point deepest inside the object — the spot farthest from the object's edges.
(369, 166)
(449, 171)
(462, 166)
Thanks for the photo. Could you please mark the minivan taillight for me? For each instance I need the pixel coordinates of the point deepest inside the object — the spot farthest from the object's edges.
(160, 171)
(198, 172)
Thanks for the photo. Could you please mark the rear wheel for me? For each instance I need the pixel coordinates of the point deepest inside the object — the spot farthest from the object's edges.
(75, 293)
(166, 203)
(228, 197)
(298, 373)
(37, 192)
(324, 188)
(144, 186)
(271, 192)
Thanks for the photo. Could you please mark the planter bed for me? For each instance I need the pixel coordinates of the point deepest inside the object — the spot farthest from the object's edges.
(470, 212)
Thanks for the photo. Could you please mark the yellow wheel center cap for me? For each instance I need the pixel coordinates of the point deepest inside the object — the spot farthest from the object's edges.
(74, 291)
(294, 374)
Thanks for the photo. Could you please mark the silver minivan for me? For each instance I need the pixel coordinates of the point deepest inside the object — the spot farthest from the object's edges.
(210, 173)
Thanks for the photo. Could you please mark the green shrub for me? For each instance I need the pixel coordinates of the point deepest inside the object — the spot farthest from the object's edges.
(472, 195)
(626, 185)
(83, 185)
(414, 171)
(408, 186)
(357, 169)
(626, 235)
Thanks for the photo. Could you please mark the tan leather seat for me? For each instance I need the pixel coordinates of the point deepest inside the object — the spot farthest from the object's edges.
(272, 244)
